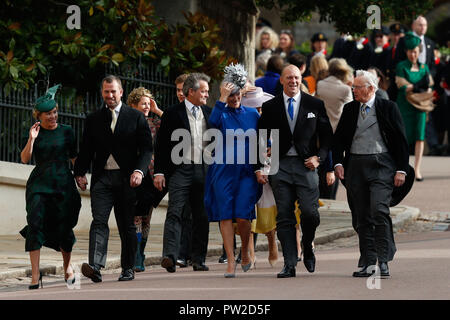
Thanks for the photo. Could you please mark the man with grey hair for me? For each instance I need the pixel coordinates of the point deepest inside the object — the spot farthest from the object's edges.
(185, 181)
(371, 135)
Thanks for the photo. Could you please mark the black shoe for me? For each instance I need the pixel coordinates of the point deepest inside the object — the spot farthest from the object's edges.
(384, 269)
(310, 262)
(182, 263)
(91, 273)
(126, 275)
(36, 286)
(168, 263)
(199, 267)
(287, 272)
(223, 258)
(363, 273)
(419, 179)
(239, 258)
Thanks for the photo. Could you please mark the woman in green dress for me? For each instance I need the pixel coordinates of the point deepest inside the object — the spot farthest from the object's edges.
(52, 199)
(413, 76)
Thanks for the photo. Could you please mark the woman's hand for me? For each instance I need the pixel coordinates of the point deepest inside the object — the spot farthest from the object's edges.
(225, 91)
(154, 108)
(248, 88)
(34, 131)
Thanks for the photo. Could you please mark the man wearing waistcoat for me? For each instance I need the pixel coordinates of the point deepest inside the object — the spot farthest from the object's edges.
(118, 143)
(372, 135)
(305, 137)
(185, 181)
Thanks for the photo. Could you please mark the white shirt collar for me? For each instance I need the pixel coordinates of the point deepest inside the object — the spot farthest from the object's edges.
(189, 104)
(422, 37)
(296, 97)
(117, 109)
(370, 103)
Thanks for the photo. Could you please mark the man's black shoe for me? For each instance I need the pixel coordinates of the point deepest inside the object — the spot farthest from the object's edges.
(182, 263)
(384, 269)
(199, 267)
(91, 273)
(223, 258)
(168, 263)
(126, 275)
(310, 262)
(363, 273)
(287, 272)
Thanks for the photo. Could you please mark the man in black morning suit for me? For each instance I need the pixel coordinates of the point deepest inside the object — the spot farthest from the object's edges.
(305, 136)
(372, 136)
(118, 141)
(185, 181)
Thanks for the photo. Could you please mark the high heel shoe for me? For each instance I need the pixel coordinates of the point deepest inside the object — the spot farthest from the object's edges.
(36, 286)
(231, 275)
(70, 279)
(246, 267)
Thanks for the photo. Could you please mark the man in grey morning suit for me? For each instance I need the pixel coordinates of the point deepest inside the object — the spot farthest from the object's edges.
(185, 181)
(372, 135)
(305, 136)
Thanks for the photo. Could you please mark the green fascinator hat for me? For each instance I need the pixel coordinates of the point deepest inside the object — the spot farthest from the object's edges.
(411, 41)
(47, 101)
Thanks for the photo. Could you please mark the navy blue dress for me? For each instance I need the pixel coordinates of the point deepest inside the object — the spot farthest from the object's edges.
(231, 189)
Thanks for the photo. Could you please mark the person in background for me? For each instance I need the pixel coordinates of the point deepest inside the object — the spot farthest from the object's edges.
(286, 46)
(381, 54)
(266, 43)
(319, 71)
(382, 85)
(271, 78)
(413, 76)
(52, 199)
(397, 31)
(318, 46)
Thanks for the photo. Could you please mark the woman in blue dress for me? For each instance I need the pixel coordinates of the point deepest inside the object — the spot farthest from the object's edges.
(231, 190)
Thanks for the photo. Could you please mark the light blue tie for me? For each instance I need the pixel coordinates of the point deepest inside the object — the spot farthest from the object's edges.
(195, 111)
(364, 110)
(291, 108)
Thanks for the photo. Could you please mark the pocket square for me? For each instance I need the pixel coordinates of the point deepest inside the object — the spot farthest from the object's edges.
(311, 115)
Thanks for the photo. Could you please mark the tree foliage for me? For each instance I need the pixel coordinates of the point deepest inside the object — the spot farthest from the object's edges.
(35, 42)
(347, 15)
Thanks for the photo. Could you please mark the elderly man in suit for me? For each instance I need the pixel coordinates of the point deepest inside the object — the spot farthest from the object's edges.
(305, 136)
(372, 136)
(118, 141)
(185, 180)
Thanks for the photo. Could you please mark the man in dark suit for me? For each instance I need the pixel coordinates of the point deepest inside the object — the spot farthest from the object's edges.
(372, 136)
(118, 141)
(305, 136)
(185, 176)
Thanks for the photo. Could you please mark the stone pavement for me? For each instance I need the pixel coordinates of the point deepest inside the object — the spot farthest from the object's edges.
(14, 261)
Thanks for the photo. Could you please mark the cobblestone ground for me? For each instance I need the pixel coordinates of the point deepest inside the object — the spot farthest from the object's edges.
(412, 227)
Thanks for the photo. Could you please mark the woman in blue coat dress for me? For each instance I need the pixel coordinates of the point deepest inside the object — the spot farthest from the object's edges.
(231, 190)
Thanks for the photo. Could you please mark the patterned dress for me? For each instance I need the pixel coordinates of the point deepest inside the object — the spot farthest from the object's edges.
(52, 199)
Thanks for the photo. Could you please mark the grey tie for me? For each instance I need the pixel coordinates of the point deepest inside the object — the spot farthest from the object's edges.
(195, 111)
(364, 110)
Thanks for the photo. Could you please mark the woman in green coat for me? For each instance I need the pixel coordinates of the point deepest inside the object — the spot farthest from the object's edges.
(52, 199)
(413, 76)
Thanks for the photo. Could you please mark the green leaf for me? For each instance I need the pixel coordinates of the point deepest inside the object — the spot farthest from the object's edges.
(118, 57)
(12, 44)
(165, 61)
(14, 72)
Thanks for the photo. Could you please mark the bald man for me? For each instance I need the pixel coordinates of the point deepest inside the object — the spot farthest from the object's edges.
(419, 28)
(305, 136)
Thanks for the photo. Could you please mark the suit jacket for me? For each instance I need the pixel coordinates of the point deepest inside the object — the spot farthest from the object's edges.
(391, 128)
(400, 54)
(312, 134)
(175, 117)
(130, 144)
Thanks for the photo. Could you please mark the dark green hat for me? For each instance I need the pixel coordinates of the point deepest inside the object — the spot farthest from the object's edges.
(411, 41)
(47, 102)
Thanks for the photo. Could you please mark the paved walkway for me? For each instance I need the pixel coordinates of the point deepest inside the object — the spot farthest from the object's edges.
(14, 261)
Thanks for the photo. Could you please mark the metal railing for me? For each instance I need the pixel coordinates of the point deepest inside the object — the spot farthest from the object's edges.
(16, 108)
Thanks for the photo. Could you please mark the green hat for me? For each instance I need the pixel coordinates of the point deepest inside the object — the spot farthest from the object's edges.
(411, 41)
(47, 102)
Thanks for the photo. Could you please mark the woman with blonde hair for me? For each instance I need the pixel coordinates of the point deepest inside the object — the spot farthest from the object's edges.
(148, 197)
(318, 69)
(266, 43)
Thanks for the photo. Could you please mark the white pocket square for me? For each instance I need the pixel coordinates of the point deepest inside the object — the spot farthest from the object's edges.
(311, 115)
